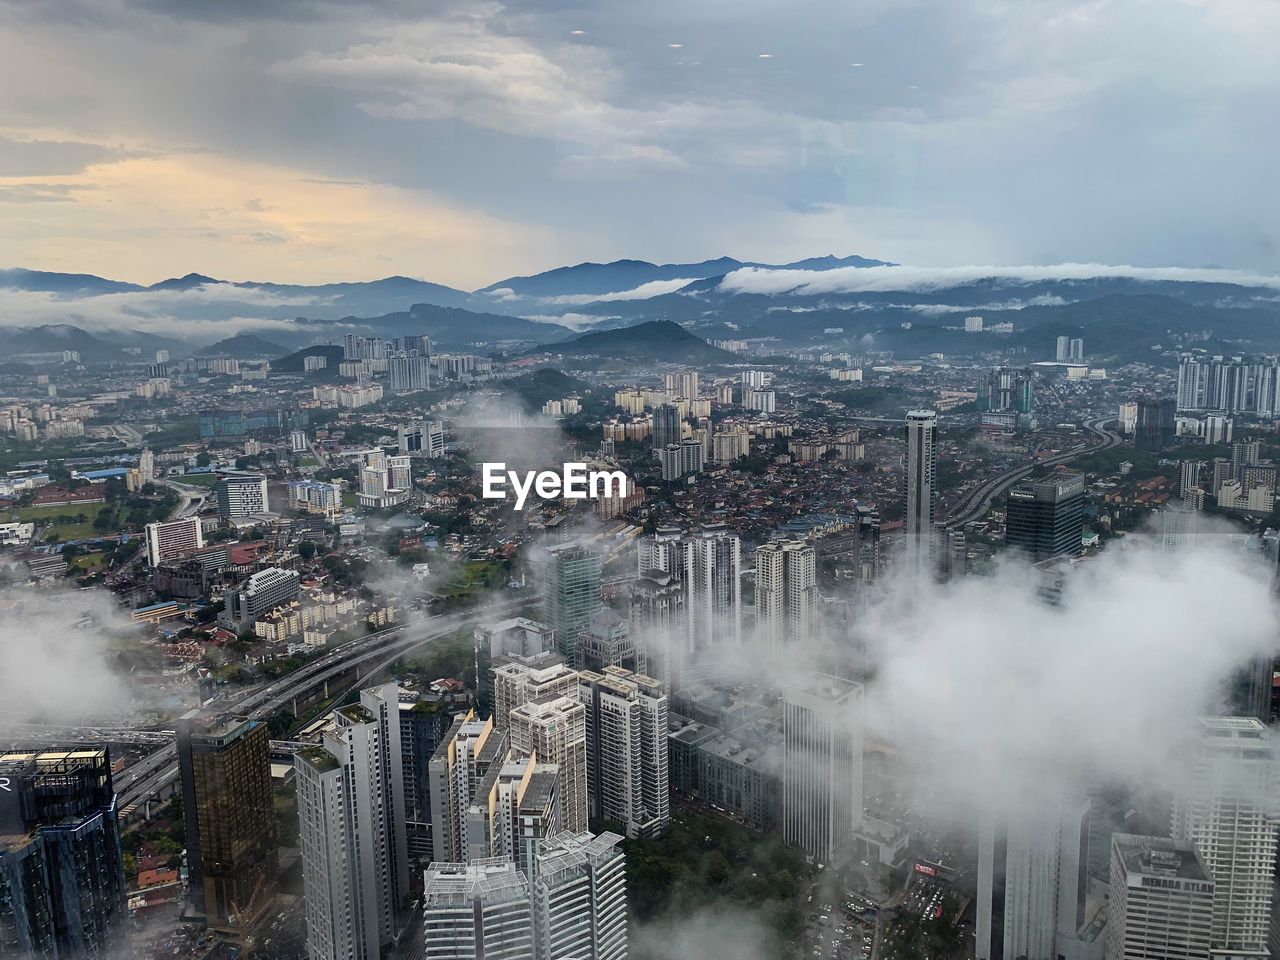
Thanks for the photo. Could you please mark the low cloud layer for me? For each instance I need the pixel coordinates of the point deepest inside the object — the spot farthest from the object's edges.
(56, 649)
(925, 279)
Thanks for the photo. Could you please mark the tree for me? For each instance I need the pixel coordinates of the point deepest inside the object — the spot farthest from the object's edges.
(306, 549)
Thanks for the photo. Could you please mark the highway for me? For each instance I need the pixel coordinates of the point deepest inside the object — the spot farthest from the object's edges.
(977, 501)
(154, 773)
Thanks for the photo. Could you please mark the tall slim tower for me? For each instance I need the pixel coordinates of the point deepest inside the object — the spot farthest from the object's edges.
(225, 770)
(352, 816)
(555, 731)
(1226, 809)
(666, 426)
(571, 593)
(822, 763)
(922, 474)
(1045, 516)
(786, 589)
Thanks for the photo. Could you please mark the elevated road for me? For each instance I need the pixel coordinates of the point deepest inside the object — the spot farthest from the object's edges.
(978, 501)
(154, 774)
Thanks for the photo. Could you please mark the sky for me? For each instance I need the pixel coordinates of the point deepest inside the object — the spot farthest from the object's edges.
(461, 142)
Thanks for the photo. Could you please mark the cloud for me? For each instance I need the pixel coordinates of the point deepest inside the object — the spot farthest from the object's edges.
(56, 649)
(654, 288)
(761, 280)
(574, 321)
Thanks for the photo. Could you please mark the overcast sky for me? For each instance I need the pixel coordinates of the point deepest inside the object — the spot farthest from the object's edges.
(465, 141)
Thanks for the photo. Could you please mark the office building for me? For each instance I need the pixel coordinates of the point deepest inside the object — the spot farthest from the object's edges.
(224, 767)
(822, 764)
(609, 642)
(1161, 900)
(352, 815)
(626, 729)
(1044, 517)
(1032, 879)
(1226, 809)
(667, 426)
(921, 480)
(259, 595)
(421, 438)
(1154, 428)
(172, 539)
(241, 495)
(786, 593)
(571, 592)
(62, 882)
(480, 909)
(554, 731)
(519, 639)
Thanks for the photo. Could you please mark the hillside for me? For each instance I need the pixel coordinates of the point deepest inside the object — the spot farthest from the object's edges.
(52, 338)
(652, 340)
(453, 327)
(294, 362)
(243, 346)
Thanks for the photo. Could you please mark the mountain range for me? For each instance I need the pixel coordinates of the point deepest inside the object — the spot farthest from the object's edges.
(853, 303)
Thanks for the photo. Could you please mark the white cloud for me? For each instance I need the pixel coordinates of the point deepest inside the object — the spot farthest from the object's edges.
(654, 288)
(761, 280)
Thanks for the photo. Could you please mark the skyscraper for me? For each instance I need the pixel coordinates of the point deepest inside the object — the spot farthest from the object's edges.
(174, 538)
(516, 683)
(62, 884)
(1032, 879)
(425, 719)
(408, 372)
(1044, 517)
(1226, 808)
(1189, 480)
(1154, 428)
(1161, 900)
(555, 731)
(479, 909)
(1062, 351)
(470, 749)
(822, 763)
(713, 597)
(352, 817)
(241, 495)
(922, 472)
(609, 642)
(225, 770)
(518, 639)
(579, 893)
(666, 426)
(626, 727)
(786, 590)
(571, 593)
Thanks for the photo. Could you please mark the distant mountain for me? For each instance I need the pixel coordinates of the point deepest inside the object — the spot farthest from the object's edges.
(52, 338)
(64, 284)
(654, 339)
(243, 346)
(189, 282)
(295, 362)
(452, 327)
(598, 279)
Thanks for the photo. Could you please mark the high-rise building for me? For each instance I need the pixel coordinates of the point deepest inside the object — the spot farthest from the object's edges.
(425, 720)
(1044, 517)
(1226, 808)
(626, 727)
(518, 639)
(516, 682)
(609, 642)
(259, 595)
(225, 770)
(921, 480)
(62, 883)
(1032, 879)
(579, 894)
(470, 749)
(1075, 350)
(1161, 900)
(1229, 384)
(822, 763)
(1189, 480)
(514, 809)
(679, 460)
(352, 816)
(786, 592)
(480, 909)
(713, 590)
(1062, 351)
(666, 426)
(571, 592)
(408, 372)
(1004, 389)
(1154, 429)
(554, 730)
(173, 538)
(241, 495)
(1178, 522)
